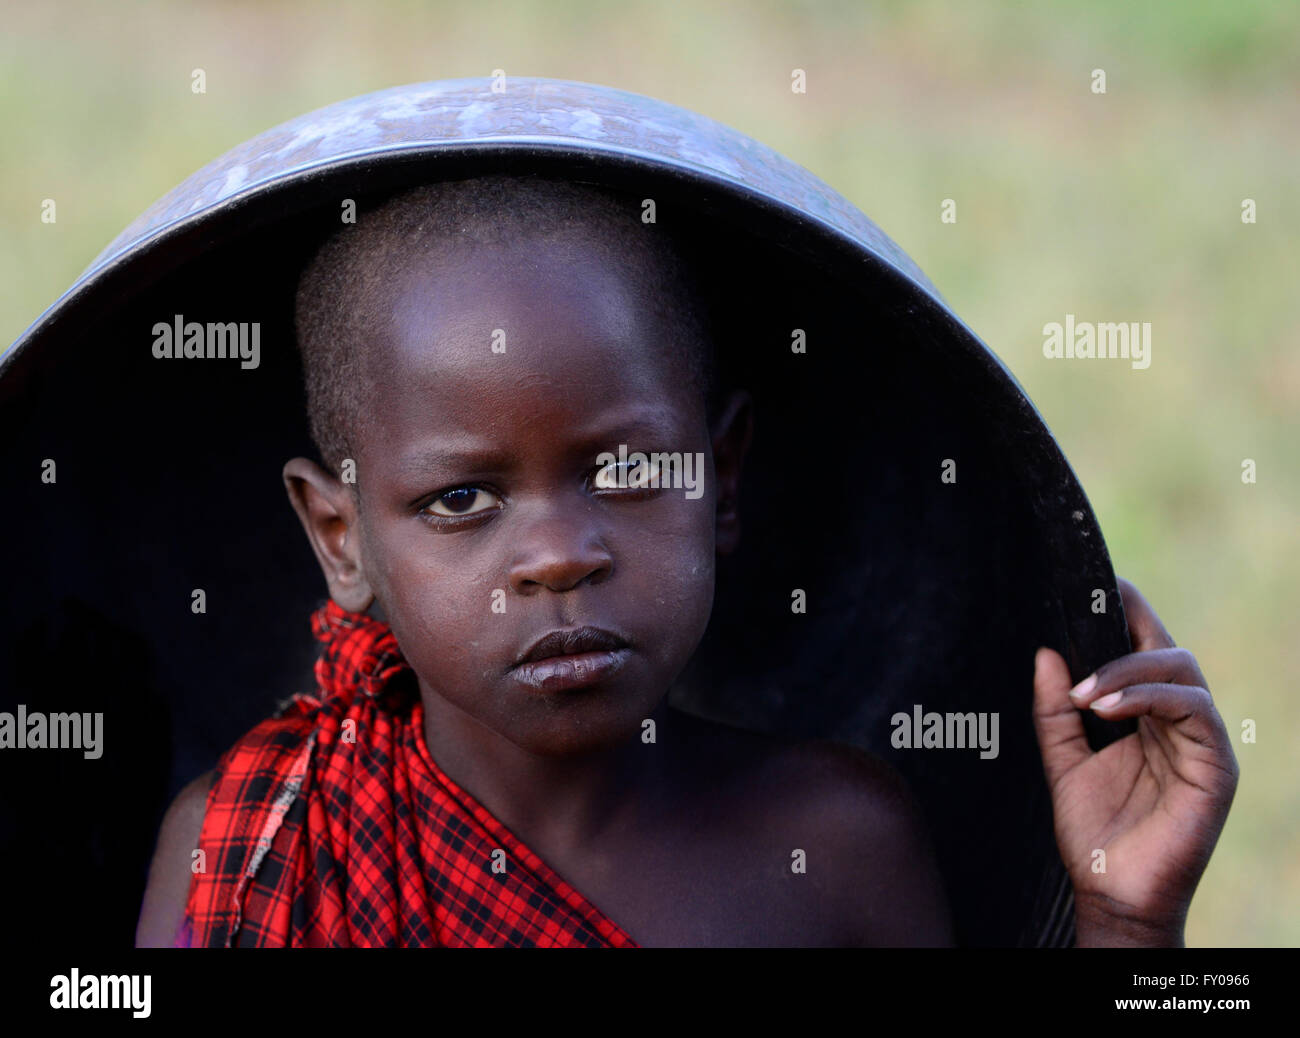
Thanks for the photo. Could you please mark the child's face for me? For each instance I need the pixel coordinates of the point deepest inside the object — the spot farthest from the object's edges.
(528, 542)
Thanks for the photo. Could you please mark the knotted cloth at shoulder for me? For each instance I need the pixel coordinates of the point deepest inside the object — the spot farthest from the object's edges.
(330, 825)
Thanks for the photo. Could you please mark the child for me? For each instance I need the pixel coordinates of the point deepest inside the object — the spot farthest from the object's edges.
(489, 758)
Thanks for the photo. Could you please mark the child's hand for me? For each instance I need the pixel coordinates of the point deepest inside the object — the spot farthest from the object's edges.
(1154, 801)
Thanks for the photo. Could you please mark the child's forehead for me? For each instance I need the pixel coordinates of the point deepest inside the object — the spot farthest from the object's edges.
(488, 344)
(541, 393)
(526, 307)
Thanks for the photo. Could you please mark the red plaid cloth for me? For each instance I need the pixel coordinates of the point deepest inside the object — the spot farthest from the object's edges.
(330, 825)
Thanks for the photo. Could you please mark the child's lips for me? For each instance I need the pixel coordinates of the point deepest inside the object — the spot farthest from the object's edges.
(577, 670)
(569, 658)
(569, 641)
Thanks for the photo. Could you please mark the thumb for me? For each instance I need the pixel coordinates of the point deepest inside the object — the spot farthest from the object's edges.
(1057, 722)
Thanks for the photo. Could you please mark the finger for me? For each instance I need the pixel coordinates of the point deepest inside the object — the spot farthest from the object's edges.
(1057, 721)
(1155, 666)
(1146, 632)
(1187, 708)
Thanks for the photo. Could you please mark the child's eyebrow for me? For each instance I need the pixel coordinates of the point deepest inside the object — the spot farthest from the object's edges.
(632, 426)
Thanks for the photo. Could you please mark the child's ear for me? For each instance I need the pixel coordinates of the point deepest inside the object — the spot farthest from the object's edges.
(732, 430)
(328, 512)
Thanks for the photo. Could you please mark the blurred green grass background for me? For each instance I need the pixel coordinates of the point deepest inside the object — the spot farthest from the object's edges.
(1116, 207)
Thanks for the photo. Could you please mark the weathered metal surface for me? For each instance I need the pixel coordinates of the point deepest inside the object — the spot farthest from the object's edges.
(528, 111)
(556, 115)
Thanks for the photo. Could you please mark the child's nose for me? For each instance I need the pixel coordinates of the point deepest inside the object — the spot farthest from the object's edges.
(559, 550)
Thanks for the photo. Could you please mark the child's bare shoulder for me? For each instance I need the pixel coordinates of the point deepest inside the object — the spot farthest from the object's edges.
(809, 776)
(168, 888)
(865, 847)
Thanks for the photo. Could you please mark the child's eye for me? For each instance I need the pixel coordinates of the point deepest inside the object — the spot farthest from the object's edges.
(462, 501)
(634, 475)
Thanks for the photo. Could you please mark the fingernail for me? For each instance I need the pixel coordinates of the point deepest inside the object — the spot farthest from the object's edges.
(1084, 687)
(1106, 702)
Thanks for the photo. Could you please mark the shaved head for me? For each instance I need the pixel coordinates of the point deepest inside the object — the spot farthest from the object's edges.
(347, 293)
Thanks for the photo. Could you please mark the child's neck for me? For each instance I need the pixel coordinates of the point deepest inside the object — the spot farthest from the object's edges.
(559, 803)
